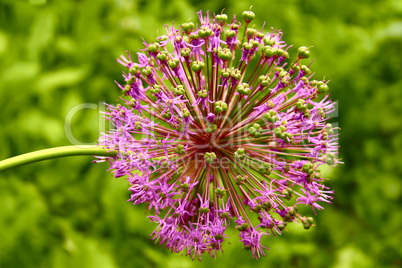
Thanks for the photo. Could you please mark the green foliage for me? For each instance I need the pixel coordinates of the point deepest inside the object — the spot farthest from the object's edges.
(69, 212)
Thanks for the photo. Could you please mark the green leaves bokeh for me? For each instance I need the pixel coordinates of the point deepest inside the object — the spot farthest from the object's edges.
(70, 212)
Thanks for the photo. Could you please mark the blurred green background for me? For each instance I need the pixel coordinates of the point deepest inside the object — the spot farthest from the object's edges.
(70, 212)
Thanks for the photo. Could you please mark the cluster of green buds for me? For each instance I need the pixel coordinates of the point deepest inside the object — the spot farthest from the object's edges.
(137, 125)
(291, 212)
(197, 66)
(322, 88)
(264, 80)
(301, 105)
(248, 16)
(221, 18)
(224, 54)
(328, 130)
(188, 27)
(269, 51)
(280, 132)
(240, 179)
(155, 90)
(220, 107)
(243, 89)
(179, 90)
(210, 157)
(265, 168)
(211, 128)
(307, 222)
(203, 93)
(271, 116)
(180, 149)
(287, 193)
(240, 154)
(220, 192)
(303, 53)
(308, 168)
(330, 159)
(255, 130)
(303, 68)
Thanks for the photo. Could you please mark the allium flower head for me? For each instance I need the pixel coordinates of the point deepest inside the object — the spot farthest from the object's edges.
(218, 125)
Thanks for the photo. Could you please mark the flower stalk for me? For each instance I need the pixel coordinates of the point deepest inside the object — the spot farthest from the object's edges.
(52, 153)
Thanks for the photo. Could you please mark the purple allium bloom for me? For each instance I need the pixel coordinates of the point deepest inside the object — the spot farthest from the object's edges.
(215, 128)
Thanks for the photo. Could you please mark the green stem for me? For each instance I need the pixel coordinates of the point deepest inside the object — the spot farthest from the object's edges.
(54, 153)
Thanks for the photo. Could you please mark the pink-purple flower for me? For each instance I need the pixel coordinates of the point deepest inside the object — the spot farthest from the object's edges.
(219, 125)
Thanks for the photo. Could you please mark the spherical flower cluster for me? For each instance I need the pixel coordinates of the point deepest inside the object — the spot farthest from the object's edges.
(217, 126)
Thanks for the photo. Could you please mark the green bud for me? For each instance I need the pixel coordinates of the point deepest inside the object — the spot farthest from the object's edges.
(268, 41)
(185, 112)
(203, 93)
(210, 157)
(303, 53)
(256, 209)
(281, 226)
(204, 210)
(147, 71)
(138, 125)
(225, 72)
(224, 215)
(329, 159)
(188, 27)
(185, 52)
(218, 237)
(266, 205)
(225, 54)
(162, 56)
(252, 130)
(167, 115)
(291, 211)
(282, 74)
(243, 227)
(240, 180)
(221, 19)
(260, 35)
(193, 36)
(211, 128)
(204, 32)
(305, 69)
(248, 16)
(251, 32)
(322, 88)
(285, 54)
(240, 153)
(131, 80)
(235, 74)
(173, 63)
(152, 48)
(306, 225)
(220, 106)
(230, 33)
(179, 90)
(264, 80)
(134, 69)
(197, 66)
(243, 89)
(126, 89)
(220, 192)
(156, 89)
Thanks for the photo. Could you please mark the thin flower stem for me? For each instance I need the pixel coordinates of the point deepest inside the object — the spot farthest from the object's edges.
(56, 152)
